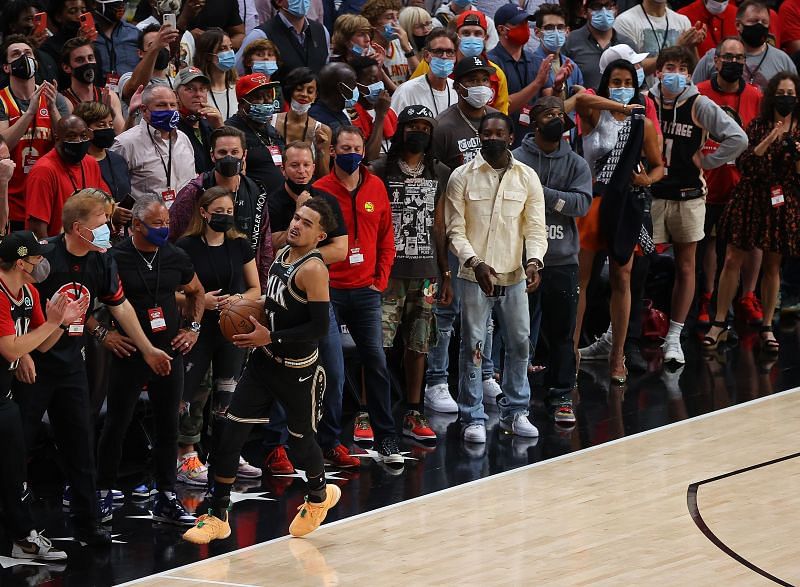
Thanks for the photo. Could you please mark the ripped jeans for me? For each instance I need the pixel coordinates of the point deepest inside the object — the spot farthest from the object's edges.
(512, 315)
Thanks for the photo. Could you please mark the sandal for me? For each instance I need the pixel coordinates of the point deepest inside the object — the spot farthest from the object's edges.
(711, 343)
(620, 379)
(771, 345)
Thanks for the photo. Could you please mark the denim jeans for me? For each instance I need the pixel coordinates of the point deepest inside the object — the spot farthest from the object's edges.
(512, 314)
(438, 356)
(360, 310)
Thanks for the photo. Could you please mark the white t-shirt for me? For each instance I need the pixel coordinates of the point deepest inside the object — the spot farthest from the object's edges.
(650, 33)
(396, 63)
(224, 101)
(417, 91)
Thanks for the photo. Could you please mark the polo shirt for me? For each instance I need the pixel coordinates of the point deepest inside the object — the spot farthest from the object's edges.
(119, 52)
(585, 51)
(519, 74)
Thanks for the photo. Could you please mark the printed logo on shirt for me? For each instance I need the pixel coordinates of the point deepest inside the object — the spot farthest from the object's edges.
(44, 112)
(74, 291)
(369, 206)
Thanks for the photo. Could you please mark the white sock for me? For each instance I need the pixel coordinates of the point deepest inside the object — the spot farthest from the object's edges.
(609, 333)
(103, 493)
(674, 330)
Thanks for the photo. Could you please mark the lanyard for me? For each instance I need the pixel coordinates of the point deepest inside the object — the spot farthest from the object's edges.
(157, 261)
(286, 121)
(267, 144)
(663, 43)
(433, 98)
(105, 160)
(111, 51)
(72, 181)
(752, 72)
(227, 101)
(168, 165)
(354, 197)
(214, 267)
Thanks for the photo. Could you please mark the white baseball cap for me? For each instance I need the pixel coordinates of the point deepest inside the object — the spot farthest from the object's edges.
(620, 52)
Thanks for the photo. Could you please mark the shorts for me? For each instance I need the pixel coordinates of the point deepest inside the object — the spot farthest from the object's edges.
(678, 221)
(409, 303)
(591, 238)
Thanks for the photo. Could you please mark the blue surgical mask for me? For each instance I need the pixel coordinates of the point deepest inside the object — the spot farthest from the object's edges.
(470, 46)
(265, 67)
(164, 120)
(603, 19)
(349, 162)
(621, 95)
(357, 50)
(260, 113)
(101, 237)
(298, 7)
(350, 102)
(441, 67)
(554, 40)
(389, 32)
(462, 3)
(226, 60)
(674, 82)
(374, 92)
(640, 76)
(156, 236)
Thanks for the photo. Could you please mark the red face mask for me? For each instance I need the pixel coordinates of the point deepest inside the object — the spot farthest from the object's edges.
(519, 34)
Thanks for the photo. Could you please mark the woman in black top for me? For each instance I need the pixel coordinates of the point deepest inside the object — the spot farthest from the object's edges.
(226, 267)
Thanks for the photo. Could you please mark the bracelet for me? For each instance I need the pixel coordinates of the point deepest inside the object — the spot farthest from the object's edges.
(409, 54)
(536, 263)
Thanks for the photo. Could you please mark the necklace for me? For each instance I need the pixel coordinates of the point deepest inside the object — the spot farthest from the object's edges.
(472, 126)
(413, 172)
(146, 262)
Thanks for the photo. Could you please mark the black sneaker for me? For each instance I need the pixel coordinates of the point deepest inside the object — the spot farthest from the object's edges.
(95, 535)
(390, 453)
(634, 360)
(171, 510)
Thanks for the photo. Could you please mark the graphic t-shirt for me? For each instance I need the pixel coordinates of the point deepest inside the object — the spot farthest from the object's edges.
(455, 137)
(20, 313)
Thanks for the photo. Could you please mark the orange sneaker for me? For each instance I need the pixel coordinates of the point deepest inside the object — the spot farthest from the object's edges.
(310, 515)
(208, 528)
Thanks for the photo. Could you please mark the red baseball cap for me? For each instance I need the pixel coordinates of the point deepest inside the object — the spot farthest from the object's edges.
(248, 83)
(472, 17)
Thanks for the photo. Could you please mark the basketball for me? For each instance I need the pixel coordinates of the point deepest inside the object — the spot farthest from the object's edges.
(235, 319)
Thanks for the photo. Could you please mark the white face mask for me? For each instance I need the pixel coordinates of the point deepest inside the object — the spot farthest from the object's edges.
(300, 108)
(478, 96)
(715, 7)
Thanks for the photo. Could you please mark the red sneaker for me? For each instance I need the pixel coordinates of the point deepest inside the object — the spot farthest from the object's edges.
(703, 304)
(341, 457)
(749, 309)
(362, 429)
(278, 463)
(416, 426)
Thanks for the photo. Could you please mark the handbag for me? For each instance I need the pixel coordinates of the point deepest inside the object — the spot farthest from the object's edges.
(655, 323)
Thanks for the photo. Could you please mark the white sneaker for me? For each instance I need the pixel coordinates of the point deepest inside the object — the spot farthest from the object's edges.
(438, 398)
(491, 389)
(247, 471)
(520, 425)
(673, 351)
(475, 432)
(36, 546)
(191, 471)
(599, 350)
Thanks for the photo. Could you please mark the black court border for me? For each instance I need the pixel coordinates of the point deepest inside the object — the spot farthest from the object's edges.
(691, 502)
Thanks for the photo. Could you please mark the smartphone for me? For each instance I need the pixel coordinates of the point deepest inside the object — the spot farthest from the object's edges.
(39, 22)
(87, 29)
(171, 20)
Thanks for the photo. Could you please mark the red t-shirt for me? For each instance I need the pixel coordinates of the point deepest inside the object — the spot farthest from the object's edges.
(790, 17)
(742, 106)
(365, 122)
(51, 181)
(718, 26)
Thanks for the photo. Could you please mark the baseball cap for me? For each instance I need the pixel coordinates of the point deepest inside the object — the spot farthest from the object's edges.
(548, 103)
(248, 83)
(21, 244)
(471, 17)
(620, 52)
(469, 64)
(416, 112)
(511, 14)
(189, 74)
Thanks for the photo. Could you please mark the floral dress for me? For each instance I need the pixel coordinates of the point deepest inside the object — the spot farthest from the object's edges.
(750, 220)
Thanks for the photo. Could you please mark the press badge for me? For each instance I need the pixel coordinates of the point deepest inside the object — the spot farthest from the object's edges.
(277, 158)
(525, 116)
(776, 192)
(356, 256)
(168, 196)
(76, 328)
(157, 322)
(112, 82)
(28, 162)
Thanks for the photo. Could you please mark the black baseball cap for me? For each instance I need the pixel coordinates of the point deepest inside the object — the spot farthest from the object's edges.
(469, 64)
(416, 112)
(21, 244)
(511, 14)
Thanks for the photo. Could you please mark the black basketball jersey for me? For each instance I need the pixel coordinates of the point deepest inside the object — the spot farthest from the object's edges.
(682, 139)
(20, 312)
(286, 304)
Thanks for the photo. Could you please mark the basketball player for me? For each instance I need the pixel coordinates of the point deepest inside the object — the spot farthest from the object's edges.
(283, 367)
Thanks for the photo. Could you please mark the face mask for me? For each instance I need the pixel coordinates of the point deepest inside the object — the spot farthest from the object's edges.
(441, 67)
(350, 102)
(602, 19)
(165, 120)
(493, 149)
(357, 50)
(23, 67)
(221, 222)
(228, 166)
(554, 40)
(621, 95)
(640, 76)
(85, 73)
(374, 92)
(300, 108)
(40, 271)
(73, 153)
(103, 138)
(389, 32)
(101, 237)
(520, 34)
(108, 10)
(470, 46)
(715, 7)
(461, 3)
(674, 83)
(349, 162)
(785, 105)
(156, 236)
(297, 188)
(552, 131)
(260, 113)
(416, 141)
(754, 35)
(419, 41)
(478, 96)
(226, 60)
(731, 71)
(298, 7)
(162, 61)
(265, 67)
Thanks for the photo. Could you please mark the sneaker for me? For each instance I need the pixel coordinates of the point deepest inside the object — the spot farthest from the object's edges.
(673, 352)
(389, 451)
(117, 496)
(703, 305)
(191, 471)
(278, 463)
(749, 309)
(564, 414)
(310, 515)
(362, 429)
(143, 492)
(598, 350)
(491, 389)
(208, 527)
(520, 425)
(416, 426)
(339, 456)
(438, 398)
(247, 471)
(634, 360)
(475, 432)
(94, 535)
(36, 546)
(171, 510)
(106, 507)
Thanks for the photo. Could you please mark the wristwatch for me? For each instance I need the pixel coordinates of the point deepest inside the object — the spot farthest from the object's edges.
(409, 54)
(195, 327)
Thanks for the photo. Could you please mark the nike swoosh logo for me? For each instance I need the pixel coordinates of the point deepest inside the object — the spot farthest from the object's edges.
(305, 378)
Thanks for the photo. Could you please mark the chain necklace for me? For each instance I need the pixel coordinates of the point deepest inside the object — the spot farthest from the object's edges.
(146, 262)
(412, 172)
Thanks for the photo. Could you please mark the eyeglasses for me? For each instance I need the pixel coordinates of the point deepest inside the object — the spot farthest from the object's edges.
(561, 28)
(738, 58)
(442, 52)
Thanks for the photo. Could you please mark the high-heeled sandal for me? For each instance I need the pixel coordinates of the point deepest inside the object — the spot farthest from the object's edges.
(771, 345)
(620, 379)
(710, 343)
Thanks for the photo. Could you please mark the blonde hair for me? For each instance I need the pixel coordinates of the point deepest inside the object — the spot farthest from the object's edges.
(197, 226)
(344, 28)
(79, 207)
(410, 17)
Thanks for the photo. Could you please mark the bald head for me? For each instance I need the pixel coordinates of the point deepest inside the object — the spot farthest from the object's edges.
(72, 138)
(336, 82)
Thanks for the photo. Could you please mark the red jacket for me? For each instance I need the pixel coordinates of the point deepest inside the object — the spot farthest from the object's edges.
(368, 217)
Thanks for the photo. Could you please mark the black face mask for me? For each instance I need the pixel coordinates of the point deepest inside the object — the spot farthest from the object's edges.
(23, 67)
(221, 222)
(297, 188)
(419, 41)
(162, 61)
(103, 138)
(73, 153)
(731, 71)
(785, 105)
(109, 11)
(416, 141)
(228, 166)
(754, 35)
(493, 149)
(552, 131)
(86, 73)
(70, 29)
